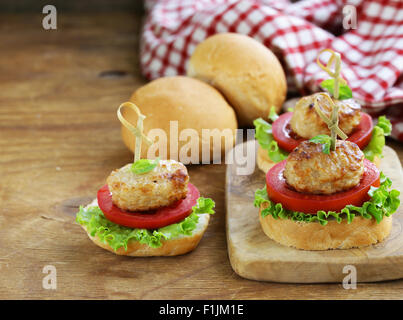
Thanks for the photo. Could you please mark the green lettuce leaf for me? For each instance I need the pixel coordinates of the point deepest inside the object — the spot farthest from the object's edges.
(204, 205)
(375, 147)
(118, 236)
(263, 134)
(273, 116)
(344, 90)
(383, 202)
(385, 124)
(276, 154)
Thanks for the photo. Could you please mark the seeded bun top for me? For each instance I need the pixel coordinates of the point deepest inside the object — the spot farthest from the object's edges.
(246, 72)
(194, 105)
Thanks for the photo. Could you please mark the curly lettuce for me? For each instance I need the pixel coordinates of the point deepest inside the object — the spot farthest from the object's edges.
(375, 147)
(263, 134)
(383, 202)
(118, 236)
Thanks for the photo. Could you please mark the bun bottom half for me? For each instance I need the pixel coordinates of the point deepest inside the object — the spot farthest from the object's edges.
(313, 236)
(180, 245)
(264, 163)
(377, 162)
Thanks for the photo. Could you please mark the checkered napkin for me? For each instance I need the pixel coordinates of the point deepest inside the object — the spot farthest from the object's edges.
(372, 53)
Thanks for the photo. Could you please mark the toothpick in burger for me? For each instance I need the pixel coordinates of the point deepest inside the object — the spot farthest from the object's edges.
(326, 195)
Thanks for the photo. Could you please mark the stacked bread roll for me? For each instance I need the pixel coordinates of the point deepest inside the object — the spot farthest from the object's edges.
(231, 79)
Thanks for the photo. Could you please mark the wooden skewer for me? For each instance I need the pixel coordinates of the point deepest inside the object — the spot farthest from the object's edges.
(336, 60)
(136, 131)
(332, 122)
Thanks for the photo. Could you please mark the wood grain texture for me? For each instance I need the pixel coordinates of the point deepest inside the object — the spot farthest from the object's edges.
(59, 139)
(254, 256)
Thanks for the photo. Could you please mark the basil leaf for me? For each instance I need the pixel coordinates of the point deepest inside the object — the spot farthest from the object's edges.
(323, 139)
(344, 90)
(144, 165)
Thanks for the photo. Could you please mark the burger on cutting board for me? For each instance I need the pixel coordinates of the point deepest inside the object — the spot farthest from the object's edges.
(326, 194)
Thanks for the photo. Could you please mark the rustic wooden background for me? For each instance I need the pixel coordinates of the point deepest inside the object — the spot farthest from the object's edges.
(59, 139)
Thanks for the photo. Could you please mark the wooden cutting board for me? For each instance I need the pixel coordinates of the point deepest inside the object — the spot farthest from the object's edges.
(255, 256)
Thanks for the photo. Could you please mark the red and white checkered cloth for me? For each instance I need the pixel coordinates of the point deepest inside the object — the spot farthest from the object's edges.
(372, 54)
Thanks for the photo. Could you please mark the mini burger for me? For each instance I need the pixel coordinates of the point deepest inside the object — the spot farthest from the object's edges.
(326, 195)
(147, 208)
(284, 133)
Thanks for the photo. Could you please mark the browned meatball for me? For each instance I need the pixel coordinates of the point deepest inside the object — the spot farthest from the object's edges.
(309, 170)
(162, 186)
(306, 122)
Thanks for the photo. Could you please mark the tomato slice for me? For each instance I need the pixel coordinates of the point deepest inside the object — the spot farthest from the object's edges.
(279, 191)
(362, 134)
(287, 141)
(152, 219)
(282, 133)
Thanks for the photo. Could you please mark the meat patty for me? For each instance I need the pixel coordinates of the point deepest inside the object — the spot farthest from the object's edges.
(309, 170)
(306, 122)
(161, 187)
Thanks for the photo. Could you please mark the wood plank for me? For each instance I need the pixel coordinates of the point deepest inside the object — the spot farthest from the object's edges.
(63, 6)
(255, 256)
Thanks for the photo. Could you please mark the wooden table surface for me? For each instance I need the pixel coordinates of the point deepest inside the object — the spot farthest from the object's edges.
(60, 138)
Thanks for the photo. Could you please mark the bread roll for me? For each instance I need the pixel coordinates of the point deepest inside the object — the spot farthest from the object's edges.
(377, 162)
(245, 71)
(194, 105)
(264, 163)
(313, 236)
